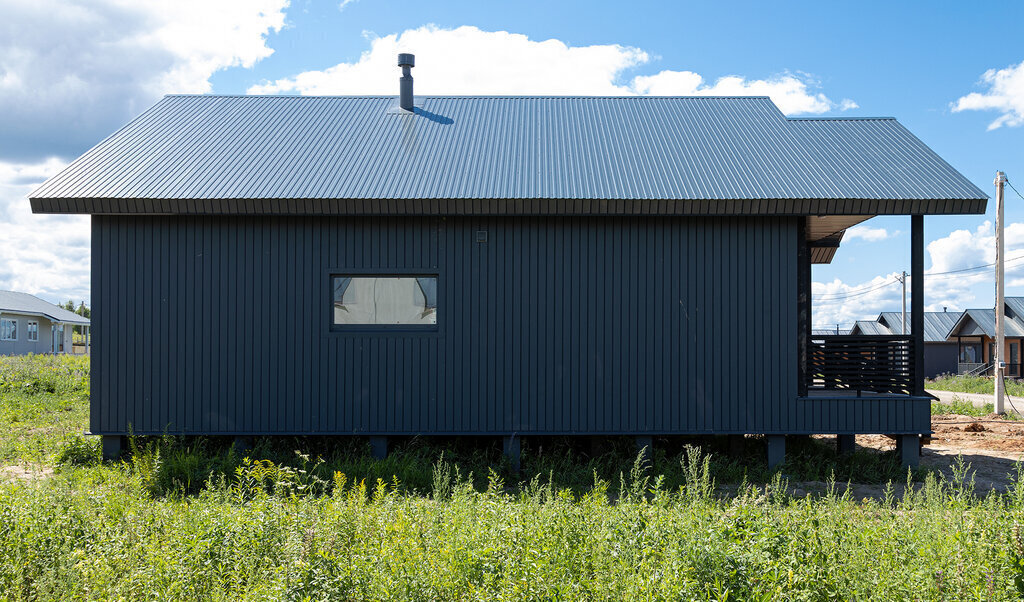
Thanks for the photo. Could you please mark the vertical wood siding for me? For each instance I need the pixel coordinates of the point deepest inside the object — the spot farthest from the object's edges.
(221, 325)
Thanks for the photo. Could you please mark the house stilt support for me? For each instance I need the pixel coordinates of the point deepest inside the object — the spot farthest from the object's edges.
(846, 444)
(510, 447)
(776, 447)
(379, 447)
(243, 445)
(736, 445)
(908, 448)
(113, 446)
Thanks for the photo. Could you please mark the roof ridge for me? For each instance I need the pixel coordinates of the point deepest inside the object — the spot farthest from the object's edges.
(478, 96)
(812, 118)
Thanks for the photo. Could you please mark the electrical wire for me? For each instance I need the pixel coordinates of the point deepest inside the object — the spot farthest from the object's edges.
(1012, 187)
(856, 292)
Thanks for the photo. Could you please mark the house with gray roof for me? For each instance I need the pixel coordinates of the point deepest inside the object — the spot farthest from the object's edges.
(940, 354)
(974, 333)
(506, 266)
(30, 325)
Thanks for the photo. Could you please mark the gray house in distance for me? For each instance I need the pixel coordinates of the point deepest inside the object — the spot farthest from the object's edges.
(506, 266)
(974, 334)
(940, 354)
(30, 325)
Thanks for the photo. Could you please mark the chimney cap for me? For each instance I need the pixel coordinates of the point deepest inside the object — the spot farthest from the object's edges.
(406, 59)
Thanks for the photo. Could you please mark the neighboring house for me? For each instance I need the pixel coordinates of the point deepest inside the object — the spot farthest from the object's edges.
(30, 325)
(940, 355)
(500, 265)
(974, 334)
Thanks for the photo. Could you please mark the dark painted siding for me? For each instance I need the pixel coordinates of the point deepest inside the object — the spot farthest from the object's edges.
(940, 358)
(554, 325)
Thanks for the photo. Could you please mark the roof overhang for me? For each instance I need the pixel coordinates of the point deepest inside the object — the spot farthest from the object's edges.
(858, 209)
(13, 312)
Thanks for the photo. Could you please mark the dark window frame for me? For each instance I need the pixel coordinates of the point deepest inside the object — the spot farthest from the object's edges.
(381, 330)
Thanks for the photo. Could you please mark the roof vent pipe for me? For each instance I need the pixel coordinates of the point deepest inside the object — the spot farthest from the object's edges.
(406, 62)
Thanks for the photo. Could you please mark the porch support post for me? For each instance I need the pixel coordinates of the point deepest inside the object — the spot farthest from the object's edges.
(776, 445)
(803, 306)
(379, 447)
(917, 299)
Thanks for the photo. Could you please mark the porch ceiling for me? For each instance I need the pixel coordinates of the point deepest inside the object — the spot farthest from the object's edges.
(825, 232)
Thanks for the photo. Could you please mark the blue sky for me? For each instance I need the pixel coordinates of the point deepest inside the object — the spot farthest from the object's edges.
(71, 72)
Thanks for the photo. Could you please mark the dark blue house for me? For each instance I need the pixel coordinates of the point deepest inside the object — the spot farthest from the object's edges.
(507, 266)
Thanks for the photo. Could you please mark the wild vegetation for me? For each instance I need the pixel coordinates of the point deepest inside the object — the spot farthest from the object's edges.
(193, 519)
(974, 384)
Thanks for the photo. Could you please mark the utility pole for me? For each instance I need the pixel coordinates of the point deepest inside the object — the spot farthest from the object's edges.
(903, 281)
(999, 366)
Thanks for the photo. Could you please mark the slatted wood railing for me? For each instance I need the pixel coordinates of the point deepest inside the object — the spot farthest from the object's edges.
(878, 364)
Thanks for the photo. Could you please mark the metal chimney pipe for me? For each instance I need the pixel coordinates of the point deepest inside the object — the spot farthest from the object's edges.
(406, 62)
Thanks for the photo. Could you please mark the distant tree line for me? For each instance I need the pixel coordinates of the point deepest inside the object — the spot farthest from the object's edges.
(82, 309)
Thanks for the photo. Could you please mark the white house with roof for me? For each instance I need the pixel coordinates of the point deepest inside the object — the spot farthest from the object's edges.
(30, 325)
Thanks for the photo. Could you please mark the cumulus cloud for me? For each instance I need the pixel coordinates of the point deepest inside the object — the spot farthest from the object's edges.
(468, 60)
(71, 72)
(837, 302)
(46, 255)
(1005, 94)
(867, 233)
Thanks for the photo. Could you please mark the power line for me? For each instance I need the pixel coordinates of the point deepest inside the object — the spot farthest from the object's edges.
(1014, 189)
(859, 293)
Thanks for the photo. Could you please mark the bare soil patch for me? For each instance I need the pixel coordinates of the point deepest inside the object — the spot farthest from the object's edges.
(22, 473)
(991, 445)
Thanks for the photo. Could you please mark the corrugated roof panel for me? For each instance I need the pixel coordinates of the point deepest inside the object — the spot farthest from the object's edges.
(502, 149)
(879, 158)
(870, 327)
(936, 323)
(986, 321)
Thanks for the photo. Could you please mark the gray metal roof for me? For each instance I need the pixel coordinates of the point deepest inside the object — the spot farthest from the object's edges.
(285, 154)
(869, 327)
(24, 303)
(936, 323)
(983, 321)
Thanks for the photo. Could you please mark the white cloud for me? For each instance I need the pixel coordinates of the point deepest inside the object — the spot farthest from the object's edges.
(344, 3)
(840, 303)
(791, 93)
(72, 72)
(948, 282)
(468, 60)
(1005, 94)
(867, 233)
(46, 255)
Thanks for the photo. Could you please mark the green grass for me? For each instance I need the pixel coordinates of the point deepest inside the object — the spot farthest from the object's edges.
(960, 406)
(974, 384)
(317, 519)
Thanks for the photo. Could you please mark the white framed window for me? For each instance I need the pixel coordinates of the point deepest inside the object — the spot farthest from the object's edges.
(32, 331)
(8, 329)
